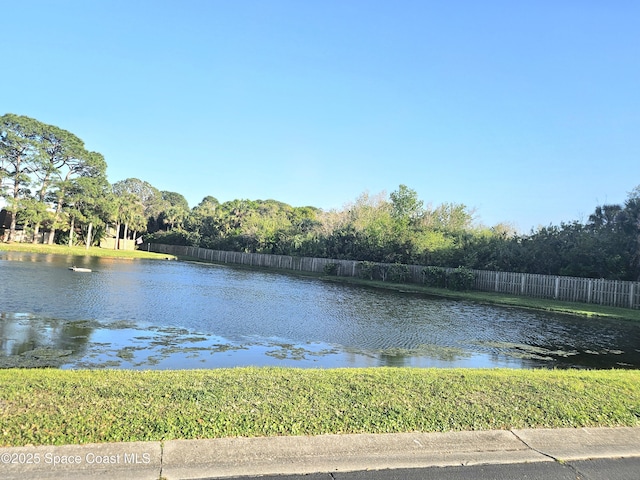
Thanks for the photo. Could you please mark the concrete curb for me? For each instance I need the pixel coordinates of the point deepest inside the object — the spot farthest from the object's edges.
(228, 457)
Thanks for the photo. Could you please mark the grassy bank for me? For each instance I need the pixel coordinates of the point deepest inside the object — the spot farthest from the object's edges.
(43, 407)
(571, 308)
(80, 251)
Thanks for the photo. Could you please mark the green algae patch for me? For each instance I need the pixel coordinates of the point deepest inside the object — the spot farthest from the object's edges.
(54, 407)
(37, 358)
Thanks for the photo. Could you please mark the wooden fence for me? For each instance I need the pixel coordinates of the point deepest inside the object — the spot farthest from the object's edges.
(615, 293)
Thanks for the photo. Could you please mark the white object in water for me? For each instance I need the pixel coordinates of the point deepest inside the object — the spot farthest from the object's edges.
(79, 269)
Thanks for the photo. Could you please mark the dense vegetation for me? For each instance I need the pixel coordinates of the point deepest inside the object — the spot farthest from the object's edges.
(51, 183)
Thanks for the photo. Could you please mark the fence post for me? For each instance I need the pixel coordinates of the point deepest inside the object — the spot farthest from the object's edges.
(557, 288)
(631, 294)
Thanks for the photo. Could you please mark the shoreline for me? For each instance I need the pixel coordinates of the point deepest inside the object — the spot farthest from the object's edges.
(588, 310)
(489, 298)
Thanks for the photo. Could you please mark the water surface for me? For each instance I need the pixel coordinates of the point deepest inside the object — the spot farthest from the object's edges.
(168, 314)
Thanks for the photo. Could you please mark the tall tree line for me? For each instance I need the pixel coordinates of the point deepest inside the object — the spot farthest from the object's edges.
(399, 228)
(50, 181)
(47, 176)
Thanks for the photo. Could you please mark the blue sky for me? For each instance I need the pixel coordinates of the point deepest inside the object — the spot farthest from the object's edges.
(527, 111)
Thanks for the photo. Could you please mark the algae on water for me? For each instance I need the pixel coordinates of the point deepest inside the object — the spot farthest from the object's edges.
(41, 357)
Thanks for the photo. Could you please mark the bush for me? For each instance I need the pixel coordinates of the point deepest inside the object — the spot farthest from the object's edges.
(168, 238)
(434, 277)
(366, 270)
(331, 269)
(461, 278)
(398, 272)
(383, 271)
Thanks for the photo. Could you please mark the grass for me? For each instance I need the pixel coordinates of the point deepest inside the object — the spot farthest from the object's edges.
(54, 407)
(81, 251)
(571, 308)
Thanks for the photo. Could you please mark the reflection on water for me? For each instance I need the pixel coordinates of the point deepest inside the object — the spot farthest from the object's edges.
(166, 314)
(40, 342)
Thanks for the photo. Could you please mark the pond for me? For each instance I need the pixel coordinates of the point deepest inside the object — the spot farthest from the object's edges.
(145, 314)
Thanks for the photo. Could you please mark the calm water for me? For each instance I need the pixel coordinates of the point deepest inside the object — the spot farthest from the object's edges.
(167, 314)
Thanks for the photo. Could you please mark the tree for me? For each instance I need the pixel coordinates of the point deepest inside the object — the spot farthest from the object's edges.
(19, 152)
(79, 164)
(405, 205)
(149, 197)
(202, 218)
(174, 216)
(85, 200)
(59, 150)
(175, 211)
(32, 213)
(616, 238)
(175, 199)
(630, 220)
(128, 211)
(451, 217)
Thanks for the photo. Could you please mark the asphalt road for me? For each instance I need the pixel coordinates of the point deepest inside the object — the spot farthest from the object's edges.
(600, 469)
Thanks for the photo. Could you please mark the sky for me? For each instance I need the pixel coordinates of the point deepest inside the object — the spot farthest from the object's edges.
(527, 112)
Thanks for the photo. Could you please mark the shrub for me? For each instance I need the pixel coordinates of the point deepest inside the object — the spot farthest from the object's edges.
(331, 269)
(366, 270)
(434, 277)
(383, 271)
(461, 278)
(168, 238)
(398, 272)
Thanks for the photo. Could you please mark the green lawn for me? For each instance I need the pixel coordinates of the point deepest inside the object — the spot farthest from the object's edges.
(44, 407)
(81, 251)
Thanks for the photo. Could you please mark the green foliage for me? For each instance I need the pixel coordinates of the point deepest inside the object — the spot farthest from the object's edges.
(168, 238)
(399, 273)
(366, 270)
(434, 277)
(460, 278)
(382, 269)
(146, 194)
(405, 205)
(56, 164)
(331, 269)
(175, 199)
